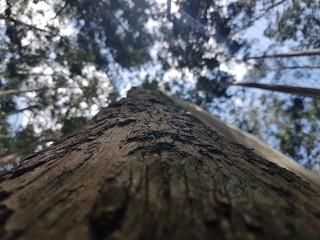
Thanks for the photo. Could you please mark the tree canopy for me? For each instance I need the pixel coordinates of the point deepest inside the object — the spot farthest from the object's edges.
(63, 60)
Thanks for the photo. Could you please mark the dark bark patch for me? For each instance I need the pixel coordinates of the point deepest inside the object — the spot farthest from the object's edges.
(290, 210)
(104, 223)
(153, 100)
(136, 150)
(125, 122)
(5, 213)
(316, 214)
(211, 219)
(32, 155)
(156, 148)
(118, 124)
(225, 209)
(165, 169)
(116, 104)
(254, 228)
(109, 209)
(215, 151)
(160, 147)
(281, 191)
(4, 176)
(4, 195)
(20, 171)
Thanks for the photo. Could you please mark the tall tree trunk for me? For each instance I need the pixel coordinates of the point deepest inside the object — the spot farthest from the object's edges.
(311, 52)
(141, 169)
(11, 92)
(301, 91)
(294, 67)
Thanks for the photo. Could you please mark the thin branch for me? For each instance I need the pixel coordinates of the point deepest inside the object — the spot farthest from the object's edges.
(169, 9)
(301, 91)
(266, 10)
(19, 91)
(10, 19)
(293, 67)
(311, 52)
(60, 10)
(36, 74)
(263, 14)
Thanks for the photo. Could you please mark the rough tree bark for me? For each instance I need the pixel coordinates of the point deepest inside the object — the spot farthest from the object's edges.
(248, 140)
(141, 169)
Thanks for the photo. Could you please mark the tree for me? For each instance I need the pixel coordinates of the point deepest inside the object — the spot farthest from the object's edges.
(19, 91)
(80, 46)
(142, 169)
(114, 39)
(286, 56)
(75, 43)
(305, 92)
(311, 52)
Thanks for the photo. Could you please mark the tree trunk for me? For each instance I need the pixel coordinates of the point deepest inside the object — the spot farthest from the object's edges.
(294, 67)
(248, 140)
(311, 52)
(11, 92)
(141, 169)
(300, 91)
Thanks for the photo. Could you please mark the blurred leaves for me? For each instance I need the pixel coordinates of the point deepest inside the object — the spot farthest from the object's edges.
(85, 51)
(70, 125)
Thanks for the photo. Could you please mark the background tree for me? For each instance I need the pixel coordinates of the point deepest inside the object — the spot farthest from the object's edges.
(87, 53)
(74, 45)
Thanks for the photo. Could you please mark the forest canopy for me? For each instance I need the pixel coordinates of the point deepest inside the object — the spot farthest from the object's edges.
(61, 61)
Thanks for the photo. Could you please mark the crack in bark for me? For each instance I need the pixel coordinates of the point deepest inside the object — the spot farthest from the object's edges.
(19, 171)
(146, 188)
(4, 195)
(5, 213)
(187, 190)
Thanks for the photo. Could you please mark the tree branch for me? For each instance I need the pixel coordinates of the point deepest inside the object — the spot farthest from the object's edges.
(10, 92)
(311, 52)
(293, 67)
(301, 91)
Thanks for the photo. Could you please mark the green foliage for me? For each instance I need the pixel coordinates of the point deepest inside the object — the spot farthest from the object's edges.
(110, 41)
(25, 137)
(212, 90)
(153, 85)
(5, 138)
(107, 36)
(70, 125)
(113, 96)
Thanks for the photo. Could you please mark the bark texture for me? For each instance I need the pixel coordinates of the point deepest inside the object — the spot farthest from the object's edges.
(248, 140)
(141, 169)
